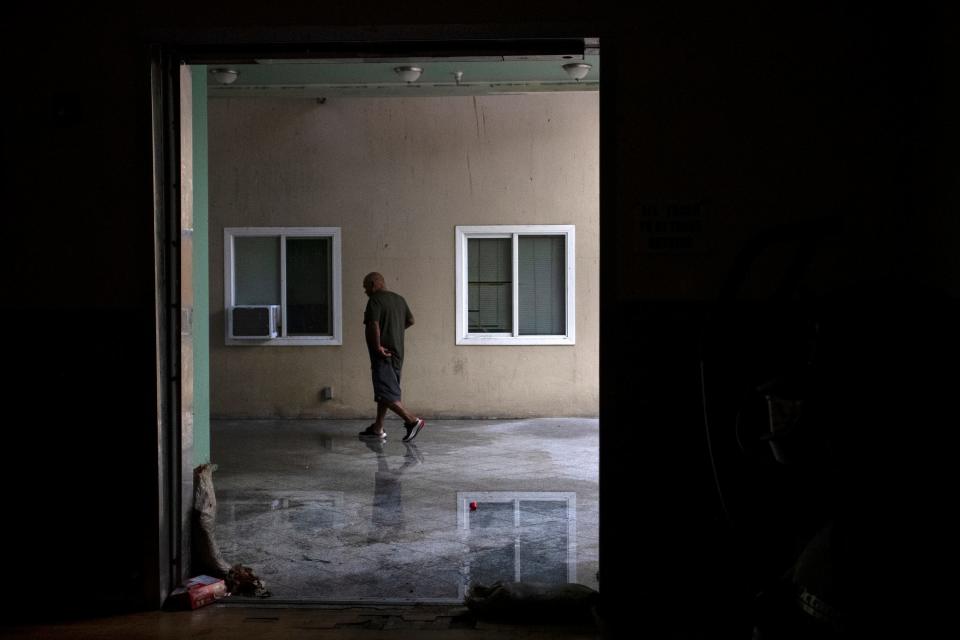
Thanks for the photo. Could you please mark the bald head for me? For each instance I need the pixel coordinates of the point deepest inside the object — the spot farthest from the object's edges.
(373, 282)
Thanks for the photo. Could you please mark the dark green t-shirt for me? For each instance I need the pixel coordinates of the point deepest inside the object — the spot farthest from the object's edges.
(390, 310)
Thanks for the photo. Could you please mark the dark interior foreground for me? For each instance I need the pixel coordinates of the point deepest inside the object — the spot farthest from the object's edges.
(818, 148)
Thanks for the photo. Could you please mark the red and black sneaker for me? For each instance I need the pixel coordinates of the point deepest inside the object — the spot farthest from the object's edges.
(413, 429)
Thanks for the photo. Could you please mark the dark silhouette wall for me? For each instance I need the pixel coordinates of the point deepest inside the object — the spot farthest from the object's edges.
(832, 118)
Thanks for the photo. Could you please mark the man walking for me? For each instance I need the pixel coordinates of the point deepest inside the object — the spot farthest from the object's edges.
(387, 317)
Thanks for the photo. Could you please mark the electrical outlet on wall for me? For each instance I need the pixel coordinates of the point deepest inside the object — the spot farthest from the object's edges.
(326, 393)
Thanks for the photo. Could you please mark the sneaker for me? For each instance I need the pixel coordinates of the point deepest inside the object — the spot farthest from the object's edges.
(413, 429)
(367, 434)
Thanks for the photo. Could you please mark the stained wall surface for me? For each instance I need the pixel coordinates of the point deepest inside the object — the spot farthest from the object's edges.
(397, 175)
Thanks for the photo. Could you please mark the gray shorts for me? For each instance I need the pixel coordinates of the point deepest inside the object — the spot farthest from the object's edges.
(386, 379)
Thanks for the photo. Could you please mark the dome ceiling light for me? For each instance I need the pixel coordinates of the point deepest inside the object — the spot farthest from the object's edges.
(408, 74)
(577, 70)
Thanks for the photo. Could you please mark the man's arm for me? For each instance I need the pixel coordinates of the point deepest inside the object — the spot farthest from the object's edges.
(373, 339)
(409, 319)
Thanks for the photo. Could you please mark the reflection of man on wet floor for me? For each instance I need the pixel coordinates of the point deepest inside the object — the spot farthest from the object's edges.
(387, 518)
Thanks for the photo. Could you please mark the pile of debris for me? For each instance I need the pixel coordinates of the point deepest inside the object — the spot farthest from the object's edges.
(218, 579)
(242, 581)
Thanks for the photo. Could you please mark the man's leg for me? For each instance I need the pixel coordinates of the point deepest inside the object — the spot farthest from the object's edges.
(386, 380)
(381, 414)
(398, 408)
(411, 423)
(396, 405)
(382, 385)
(376, 429)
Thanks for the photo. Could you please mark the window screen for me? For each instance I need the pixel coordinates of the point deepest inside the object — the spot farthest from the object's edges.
(489, 280)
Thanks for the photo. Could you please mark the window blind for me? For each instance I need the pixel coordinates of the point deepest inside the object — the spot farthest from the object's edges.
(542, 296)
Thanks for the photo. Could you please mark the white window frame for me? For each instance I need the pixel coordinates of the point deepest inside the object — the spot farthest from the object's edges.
(229, 288)
(465, 233)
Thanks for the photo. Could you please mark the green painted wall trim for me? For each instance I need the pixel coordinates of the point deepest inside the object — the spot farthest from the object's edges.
(201, 272)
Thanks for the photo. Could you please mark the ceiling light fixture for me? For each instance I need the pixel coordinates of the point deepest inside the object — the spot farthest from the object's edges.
(224, 76)
(577, 70)
(408, 74)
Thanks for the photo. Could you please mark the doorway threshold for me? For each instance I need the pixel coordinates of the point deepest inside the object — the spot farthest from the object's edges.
(308, 603)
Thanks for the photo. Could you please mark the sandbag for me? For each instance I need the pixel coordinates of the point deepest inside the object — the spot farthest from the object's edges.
(206, 553)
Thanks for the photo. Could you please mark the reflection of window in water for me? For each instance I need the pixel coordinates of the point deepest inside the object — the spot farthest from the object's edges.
(297, 513)
(311, 509)
(519, 536)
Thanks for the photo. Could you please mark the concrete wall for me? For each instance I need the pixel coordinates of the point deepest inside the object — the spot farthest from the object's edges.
(397, 175)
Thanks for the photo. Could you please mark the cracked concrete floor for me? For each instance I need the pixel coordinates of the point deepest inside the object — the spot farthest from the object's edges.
(323, 516)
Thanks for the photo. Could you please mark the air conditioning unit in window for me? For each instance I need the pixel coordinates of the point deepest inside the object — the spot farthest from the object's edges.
(255, 322)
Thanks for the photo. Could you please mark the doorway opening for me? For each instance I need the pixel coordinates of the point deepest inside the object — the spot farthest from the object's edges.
(474, 189)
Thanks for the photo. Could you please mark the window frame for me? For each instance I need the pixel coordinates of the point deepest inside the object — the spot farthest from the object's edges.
(229, 284)
(464, 234)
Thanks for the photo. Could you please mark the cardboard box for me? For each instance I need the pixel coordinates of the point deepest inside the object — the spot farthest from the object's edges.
(198, 592)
